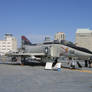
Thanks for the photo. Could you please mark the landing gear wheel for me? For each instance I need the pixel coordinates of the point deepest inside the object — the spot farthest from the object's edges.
(22, 61)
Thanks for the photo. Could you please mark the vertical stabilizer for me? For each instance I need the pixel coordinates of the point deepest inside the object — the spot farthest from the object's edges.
(25, 41)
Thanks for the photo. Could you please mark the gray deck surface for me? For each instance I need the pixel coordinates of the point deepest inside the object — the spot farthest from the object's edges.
(17, 78)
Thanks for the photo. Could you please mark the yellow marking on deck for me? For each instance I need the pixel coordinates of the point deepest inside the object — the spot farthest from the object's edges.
(86, 71)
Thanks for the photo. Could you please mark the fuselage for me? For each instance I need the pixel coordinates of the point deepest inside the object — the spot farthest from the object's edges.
(57, 50)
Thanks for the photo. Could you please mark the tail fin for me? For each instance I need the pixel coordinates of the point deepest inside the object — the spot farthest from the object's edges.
(25, 41)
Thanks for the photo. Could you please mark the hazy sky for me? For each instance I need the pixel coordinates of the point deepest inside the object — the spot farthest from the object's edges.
(37, 18)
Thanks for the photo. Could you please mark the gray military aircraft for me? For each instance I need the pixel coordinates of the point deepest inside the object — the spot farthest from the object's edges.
(51, 51)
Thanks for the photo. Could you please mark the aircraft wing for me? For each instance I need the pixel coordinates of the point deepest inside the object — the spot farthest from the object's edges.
(26, 54)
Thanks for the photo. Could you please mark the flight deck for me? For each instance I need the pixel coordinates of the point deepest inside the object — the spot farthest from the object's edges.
(33, 78)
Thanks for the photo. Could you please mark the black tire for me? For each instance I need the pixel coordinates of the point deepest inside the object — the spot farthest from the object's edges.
(23, 61)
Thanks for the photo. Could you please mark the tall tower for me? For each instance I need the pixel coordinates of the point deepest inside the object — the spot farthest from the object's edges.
(8, 44)
(84, 38)
(60, 36)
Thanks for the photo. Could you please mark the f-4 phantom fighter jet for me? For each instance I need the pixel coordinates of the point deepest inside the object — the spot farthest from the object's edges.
(51, 51)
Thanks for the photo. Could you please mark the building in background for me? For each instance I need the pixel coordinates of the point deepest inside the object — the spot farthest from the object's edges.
(60, 36)
(8, 44)
(84, 38)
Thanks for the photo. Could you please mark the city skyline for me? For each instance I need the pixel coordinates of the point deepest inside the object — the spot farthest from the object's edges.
(39, 18)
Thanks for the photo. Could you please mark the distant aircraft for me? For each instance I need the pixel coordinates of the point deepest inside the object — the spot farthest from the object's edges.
(51, 51)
